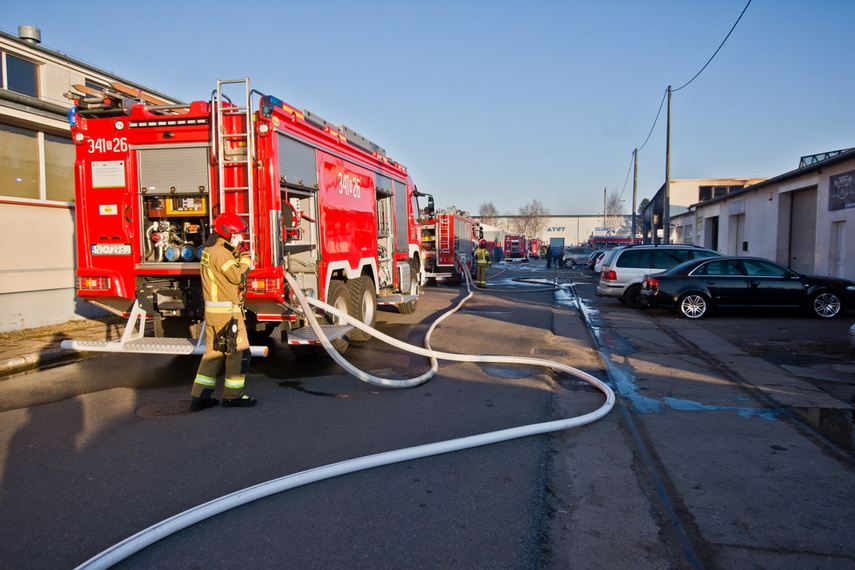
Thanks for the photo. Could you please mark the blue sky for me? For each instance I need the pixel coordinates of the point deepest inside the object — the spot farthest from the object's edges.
(506, 101)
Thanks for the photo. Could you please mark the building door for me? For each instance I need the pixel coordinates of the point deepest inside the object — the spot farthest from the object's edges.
(837, 263)
(803, 231)
(711, 233)
(736, 242)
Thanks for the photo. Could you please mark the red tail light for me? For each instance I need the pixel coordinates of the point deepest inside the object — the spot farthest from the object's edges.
(93, 283)
(611, 275)
(652, 283)
(265, 285)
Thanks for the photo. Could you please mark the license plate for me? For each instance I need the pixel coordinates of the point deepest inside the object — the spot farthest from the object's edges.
(111, 249)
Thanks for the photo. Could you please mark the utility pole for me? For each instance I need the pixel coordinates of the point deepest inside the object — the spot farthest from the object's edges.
(604, 208)
(634, 190)
(666, 206)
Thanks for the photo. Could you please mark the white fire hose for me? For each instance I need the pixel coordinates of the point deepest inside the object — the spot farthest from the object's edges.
(152, 534)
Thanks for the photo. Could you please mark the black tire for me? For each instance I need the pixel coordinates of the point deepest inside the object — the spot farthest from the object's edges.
(363, 305)
(826, 305)
(633, 297)
(337, 297)
(693, 305)
(409, 307)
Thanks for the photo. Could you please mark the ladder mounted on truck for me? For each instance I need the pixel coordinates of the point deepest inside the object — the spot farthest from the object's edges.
(235, 151)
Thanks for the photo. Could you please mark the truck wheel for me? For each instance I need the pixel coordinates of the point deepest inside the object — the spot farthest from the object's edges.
(363, 303)
(338, 298)
(409, 307)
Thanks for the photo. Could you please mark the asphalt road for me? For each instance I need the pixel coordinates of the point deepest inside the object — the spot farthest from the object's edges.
(727, 449)
(84, 472)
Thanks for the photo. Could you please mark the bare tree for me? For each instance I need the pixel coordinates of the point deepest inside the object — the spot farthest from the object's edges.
(532, 218)
(614, 212)
(488, 213)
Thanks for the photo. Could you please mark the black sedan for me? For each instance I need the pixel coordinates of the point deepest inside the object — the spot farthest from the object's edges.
(696, 287)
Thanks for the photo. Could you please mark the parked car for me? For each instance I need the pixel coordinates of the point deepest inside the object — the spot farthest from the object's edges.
(598, 265)
(576, 255)
(697, 287)
(624, 268)
(594, 257)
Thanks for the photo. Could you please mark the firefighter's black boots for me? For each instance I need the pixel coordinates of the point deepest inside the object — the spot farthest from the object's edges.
(242, 402)
(204, 401)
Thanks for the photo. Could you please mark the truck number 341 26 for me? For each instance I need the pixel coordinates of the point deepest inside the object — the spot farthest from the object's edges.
(349, 185)
(108, 145)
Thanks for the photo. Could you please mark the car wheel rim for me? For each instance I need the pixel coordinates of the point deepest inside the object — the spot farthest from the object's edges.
(693, 306)
(826, 305)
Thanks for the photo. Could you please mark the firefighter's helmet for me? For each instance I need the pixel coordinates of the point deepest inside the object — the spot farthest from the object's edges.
(482, 243)
(228, 224)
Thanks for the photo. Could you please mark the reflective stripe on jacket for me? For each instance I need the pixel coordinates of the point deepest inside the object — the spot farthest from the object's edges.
(482, 255)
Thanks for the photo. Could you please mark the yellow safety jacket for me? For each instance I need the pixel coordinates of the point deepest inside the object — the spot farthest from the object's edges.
(224, 272)
(483, 256)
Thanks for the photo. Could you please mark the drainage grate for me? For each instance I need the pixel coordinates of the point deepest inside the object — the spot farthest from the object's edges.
(549, 351)
(166, 409)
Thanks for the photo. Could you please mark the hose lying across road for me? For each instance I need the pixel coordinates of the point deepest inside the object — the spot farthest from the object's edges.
(146, 537)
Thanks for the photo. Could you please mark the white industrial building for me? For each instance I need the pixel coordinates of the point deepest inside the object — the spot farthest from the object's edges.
(37, 281)
(804, 219)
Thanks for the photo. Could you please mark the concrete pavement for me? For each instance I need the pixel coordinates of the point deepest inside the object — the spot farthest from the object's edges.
(31, 348)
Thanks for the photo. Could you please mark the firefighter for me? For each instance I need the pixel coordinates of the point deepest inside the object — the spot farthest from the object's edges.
(224, 271)
(482, 258)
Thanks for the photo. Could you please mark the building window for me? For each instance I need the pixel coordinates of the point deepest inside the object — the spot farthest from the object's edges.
(59, 168)
(19, 162)
(21, 173)
(19, 75)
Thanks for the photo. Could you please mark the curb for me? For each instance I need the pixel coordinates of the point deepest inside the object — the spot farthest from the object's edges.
(17, 364)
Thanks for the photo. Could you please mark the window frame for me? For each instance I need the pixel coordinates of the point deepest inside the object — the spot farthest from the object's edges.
(42, 199)
(4, 76)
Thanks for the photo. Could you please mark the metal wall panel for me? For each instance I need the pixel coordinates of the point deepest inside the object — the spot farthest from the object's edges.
(184, 169)
(297, 163)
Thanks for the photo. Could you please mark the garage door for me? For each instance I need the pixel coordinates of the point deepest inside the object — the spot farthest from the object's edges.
(803, 231)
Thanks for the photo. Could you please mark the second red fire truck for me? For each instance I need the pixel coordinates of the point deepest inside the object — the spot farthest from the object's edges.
(320, 201)
(515, 247)
(449, 238)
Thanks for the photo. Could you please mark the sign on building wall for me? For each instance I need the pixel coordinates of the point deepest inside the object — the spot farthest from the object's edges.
(841, 193)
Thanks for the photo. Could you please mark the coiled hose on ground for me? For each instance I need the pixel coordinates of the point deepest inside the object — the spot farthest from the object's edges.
(152, 534)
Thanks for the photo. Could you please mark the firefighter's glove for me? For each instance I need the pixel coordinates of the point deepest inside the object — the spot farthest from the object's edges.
(225, 340)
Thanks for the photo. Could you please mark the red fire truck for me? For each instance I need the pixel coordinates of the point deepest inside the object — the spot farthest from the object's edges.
(320, 201)
(515, 247)
(608, 242)
(534, 246)
(447, 236)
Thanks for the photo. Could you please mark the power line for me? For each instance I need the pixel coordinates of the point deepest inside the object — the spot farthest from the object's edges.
(662, 102)
(664, 95)
(625, 182)
(719, 48)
